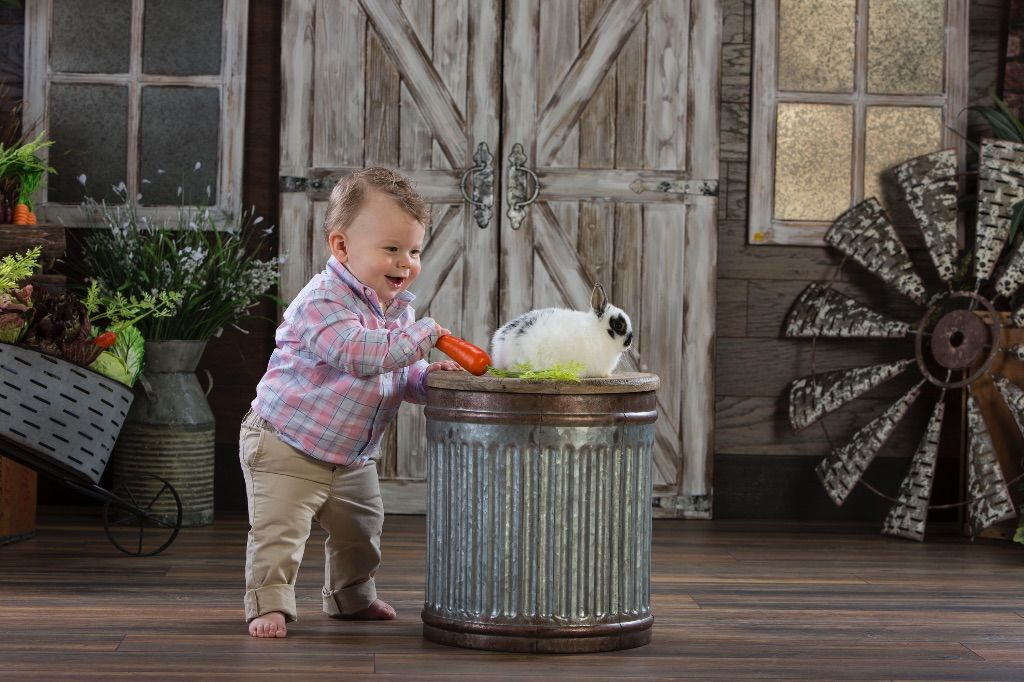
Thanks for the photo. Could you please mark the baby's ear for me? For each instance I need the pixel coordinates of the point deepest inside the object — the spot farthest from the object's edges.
(598, 299)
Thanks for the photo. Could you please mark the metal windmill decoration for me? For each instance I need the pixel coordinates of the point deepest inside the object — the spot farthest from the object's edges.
(955, 341)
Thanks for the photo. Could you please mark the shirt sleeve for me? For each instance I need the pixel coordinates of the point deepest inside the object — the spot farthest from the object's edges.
(337, 336)
(416, 385)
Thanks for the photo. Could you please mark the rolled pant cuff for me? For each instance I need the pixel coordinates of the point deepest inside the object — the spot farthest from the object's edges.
(270, 598)
(350, 599)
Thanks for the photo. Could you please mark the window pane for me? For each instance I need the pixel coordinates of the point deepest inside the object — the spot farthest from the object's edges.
(179, 128)
(89, 125)
(813, 156)
(893, 135)
(906, 45)
(816, 45)
(91, 36)
(182, 38)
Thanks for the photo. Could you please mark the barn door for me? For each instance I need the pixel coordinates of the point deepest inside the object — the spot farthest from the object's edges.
(610, 109)
(413, 85)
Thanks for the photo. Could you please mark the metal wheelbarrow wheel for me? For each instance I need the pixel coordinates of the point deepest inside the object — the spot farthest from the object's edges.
(140, 522)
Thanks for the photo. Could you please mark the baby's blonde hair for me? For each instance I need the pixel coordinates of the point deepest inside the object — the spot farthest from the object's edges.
(348, 195)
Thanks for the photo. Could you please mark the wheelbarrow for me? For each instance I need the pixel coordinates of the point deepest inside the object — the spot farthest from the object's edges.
(61, 420)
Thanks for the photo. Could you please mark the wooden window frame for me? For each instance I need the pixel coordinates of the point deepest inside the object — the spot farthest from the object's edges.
(230, 82)
(762, 227)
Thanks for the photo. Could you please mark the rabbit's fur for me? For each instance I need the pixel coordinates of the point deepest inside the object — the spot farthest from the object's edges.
(551, 336)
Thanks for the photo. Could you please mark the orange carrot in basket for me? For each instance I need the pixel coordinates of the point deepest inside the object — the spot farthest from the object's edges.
(31, 218)
(472, 358)
(20, 215)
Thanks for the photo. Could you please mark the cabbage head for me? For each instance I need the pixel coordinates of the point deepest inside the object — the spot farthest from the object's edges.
(112, 366)
(123, 361)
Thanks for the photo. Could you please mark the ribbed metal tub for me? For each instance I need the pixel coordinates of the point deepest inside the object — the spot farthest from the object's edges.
(539, 513)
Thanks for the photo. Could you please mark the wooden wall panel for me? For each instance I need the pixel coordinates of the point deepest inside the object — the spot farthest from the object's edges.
(756, 287)
(415, 141)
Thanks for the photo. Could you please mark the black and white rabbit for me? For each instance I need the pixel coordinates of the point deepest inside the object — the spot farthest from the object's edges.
(550, 336)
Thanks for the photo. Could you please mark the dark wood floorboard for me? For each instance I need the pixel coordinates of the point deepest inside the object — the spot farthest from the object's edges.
(732, 601)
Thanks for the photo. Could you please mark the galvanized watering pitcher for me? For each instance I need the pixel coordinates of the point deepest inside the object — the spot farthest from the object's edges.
(169, 431)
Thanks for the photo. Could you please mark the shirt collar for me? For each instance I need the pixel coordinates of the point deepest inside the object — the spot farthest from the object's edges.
(365, 293)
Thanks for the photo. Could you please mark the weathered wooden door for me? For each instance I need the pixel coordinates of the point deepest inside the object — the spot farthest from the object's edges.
(412, 86)
(615, 105)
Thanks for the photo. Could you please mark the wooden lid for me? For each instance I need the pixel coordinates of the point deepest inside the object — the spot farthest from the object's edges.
(624, 382)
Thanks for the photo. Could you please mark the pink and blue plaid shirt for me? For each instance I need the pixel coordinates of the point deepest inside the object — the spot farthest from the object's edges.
(342, 368)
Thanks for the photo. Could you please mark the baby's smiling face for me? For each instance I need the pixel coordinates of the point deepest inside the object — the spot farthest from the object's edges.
(381, 246)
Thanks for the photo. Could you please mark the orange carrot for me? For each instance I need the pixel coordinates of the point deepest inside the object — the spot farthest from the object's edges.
(31, 218)
(20, 215)
(474, 359)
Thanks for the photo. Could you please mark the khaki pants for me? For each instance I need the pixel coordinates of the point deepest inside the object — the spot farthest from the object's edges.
(287, 490)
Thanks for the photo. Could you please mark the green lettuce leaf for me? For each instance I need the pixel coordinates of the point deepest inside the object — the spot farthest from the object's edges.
(11, 326)
(112, 366)
(130, 348)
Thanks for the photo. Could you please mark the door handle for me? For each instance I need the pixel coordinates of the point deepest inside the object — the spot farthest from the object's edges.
(482, 174)
(517, 201)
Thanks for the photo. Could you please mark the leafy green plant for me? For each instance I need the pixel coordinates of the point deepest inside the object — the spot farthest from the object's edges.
(15, 302)
(17, 267)
(215, 271)
(22, 162)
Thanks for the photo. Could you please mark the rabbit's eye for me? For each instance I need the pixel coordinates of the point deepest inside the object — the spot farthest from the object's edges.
(619, 325)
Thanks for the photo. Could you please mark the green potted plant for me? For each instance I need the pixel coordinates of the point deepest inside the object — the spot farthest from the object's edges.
(22, 171)
(220, 276)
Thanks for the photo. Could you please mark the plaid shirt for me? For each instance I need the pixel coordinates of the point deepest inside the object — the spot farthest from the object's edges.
(342, 367)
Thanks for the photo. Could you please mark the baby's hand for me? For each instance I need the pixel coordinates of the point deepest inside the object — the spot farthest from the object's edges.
(444, 366)
(441, 331)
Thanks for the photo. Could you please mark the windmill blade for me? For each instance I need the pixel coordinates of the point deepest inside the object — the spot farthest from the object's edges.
(929, 184)
(986, 488)
(1013, 396)
(908, 516)
(824, 312)
(865, 234)
(812, 397)
(1000, 186)
(841, 470)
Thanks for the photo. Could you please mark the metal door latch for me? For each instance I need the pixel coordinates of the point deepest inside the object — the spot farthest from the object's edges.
(482, 174)
(517, 201)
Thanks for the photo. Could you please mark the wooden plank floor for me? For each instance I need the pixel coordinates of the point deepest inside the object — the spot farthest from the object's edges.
(731, 601)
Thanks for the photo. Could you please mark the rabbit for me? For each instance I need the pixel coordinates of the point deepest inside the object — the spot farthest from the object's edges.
(550, 336)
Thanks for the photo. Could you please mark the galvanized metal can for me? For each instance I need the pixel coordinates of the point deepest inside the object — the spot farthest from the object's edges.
(539, 512)
(169, 433)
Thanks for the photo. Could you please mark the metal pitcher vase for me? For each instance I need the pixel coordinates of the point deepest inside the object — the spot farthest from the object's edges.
(169, 431)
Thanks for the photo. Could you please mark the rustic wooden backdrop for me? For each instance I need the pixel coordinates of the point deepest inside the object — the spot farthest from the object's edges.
(761, 470)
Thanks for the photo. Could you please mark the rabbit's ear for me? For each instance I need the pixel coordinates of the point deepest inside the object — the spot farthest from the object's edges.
(598, 299)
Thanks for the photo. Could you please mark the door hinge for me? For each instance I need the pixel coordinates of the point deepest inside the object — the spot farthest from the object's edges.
(291, 183)
(704, 188)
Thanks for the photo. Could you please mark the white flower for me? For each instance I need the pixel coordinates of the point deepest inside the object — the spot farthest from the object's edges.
(81, 179)
(197, 166)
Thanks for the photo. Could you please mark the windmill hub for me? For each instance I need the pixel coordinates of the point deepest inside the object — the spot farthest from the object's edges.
(958, 339)
(961, 339)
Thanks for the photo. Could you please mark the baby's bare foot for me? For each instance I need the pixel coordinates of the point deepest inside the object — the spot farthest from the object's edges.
(378, 610)
(268, 625)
